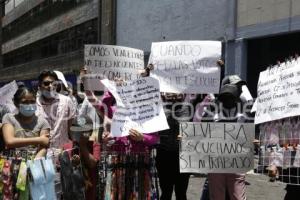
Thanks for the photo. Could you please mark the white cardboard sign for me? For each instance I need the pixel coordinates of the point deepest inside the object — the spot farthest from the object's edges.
(139, 106)
(186, 66)
(216, 147)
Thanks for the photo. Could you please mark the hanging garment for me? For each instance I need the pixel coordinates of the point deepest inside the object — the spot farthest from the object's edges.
(71, 179)
(15, 171)
(43, 175)
(24, 195)
(128, 176)
(21, 184)
(22, 177)
(37, 181)
(50, 178)
(66, 171)
(1, 183)
(78, 184)
(7, 181)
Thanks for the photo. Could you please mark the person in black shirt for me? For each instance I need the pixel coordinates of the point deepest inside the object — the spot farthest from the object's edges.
(167, 159)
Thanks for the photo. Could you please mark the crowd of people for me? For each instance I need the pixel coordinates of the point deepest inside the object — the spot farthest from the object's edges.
(53, 119)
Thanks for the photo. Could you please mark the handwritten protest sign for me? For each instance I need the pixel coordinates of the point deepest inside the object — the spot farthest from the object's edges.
(138, 106)
(7, 93)
(112, 62)
(216, 147)
(186, 66)
(278, 93)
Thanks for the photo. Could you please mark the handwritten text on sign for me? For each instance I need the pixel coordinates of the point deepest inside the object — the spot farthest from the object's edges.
(216, 147)
(278, 93)
(138, 106)
(186, 66)
(113, 61)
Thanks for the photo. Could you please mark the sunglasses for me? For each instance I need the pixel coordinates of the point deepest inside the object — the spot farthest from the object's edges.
(47, 83)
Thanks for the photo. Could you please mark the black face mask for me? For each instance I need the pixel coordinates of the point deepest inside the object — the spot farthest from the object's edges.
(229, 104)
(229, 101)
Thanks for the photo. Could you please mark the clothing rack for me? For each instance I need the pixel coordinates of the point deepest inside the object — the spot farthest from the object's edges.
(127, 175)
(280, 147)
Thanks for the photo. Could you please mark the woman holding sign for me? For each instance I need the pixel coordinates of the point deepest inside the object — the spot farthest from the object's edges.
(127, 159)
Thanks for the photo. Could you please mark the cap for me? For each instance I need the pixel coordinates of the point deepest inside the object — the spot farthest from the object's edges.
(82, 123)
(233, 79)
(229, 90)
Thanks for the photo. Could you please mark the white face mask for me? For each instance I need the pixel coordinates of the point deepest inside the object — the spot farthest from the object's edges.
(49, 94)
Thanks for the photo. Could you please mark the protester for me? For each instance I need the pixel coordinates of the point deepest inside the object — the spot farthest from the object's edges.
(72, 93)
(134, 147)
(228, 106)
(201, 103)
(56, 108)
(167, 158)
(25, 131)
(85, 107)
(89, 152)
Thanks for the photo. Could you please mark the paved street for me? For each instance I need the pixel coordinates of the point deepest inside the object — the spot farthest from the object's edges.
(258, 188)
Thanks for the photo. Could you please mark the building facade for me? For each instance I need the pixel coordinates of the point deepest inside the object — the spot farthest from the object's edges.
(40, 34)
(50, 34)
(255, 33)
(267, 31)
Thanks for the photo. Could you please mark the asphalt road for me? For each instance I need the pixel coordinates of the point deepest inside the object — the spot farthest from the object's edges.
(258, 188)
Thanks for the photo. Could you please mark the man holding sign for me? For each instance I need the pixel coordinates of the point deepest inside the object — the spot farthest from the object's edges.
(230, 178)
(181, 67)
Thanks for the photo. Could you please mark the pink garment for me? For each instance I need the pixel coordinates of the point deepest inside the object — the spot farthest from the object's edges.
(233, 183)
(106, 105)
(57, 113)
(124, 144)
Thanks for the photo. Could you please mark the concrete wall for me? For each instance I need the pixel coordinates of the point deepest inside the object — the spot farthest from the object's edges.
(259, 18)
(252, 12)
(141, 22)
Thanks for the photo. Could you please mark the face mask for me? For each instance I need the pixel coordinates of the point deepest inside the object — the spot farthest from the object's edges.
(229, 103)
(48, 94)
(76, 136)
(65, 93)
(27, 110)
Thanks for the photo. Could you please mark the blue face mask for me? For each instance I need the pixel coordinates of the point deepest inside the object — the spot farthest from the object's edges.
(27, 110)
